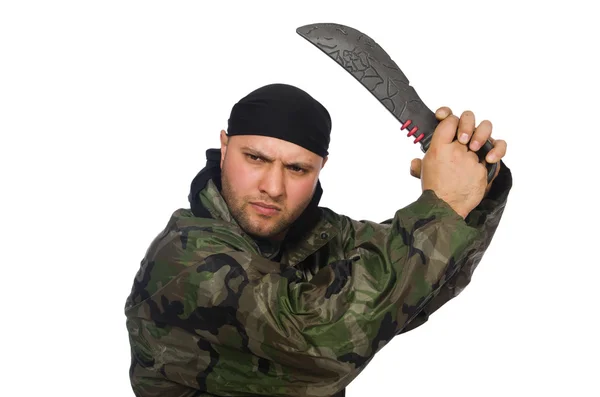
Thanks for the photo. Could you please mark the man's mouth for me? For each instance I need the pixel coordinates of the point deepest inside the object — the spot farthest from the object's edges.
(264, 209)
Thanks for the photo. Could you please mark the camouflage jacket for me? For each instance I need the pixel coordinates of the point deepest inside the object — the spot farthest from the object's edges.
(214, 313)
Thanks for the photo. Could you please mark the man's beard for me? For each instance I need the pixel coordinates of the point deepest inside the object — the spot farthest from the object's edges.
(240, 211)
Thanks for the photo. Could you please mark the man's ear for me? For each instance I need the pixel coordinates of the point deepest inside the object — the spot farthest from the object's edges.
(224, 141)
(324, 161)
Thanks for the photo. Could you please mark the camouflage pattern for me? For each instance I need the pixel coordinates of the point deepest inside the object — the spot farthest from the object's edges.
(210, 315)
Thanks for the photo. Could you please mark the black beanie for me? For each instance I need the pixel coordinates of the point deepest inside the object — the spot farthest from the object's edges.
(285, 112)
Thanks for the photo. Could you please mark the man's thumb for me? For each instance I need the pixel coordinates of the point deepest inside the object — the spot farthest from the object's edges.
(415, 168)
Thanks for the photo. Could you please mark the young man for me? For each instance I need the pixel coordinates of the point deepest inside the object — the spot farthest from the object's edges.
(256, 290)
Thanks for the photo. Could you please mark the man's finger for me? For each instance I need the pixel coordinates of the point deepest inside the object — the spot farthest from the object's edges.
(481, 135)
(466, 126)
(445, 132)
(498, 152)
(442, 113)
(415, 168)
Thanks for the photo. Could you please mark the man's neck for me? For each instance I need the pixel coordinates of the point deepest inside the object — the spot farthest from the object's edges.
(269, 248)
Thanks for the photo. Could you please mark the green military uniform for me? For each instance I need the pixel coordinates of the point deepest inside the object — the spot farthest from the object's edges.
(213, 312)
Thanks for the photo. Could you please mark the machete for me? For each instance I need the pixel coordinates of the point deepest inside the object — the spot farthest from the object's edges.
(364, 59)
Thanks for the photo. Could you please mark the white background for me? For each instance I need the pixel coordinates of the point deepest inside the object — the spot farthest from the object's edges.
(107, 108)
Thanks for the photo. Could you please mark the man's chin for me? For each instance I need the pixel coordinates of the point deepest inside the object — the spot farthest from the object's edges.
(263, 231)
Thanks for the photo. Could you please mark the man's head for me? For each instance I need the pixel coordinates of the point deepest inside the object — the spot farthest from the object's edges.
(275, 148)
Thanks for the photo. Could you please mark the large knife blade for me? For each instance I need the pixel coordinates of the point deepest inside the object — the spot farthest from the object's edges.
(364, 59)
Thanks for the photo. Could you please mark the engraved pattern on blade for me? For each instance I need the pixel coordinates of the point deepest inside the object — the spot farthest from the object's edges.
(364, 59)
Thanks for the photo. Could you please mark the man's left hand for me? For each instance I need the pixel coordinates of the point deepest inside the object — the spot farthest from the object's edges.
(475, 138)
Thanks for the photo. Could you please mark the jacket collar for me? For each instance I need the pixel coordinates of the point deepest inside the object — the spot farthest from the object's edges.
(212, 201)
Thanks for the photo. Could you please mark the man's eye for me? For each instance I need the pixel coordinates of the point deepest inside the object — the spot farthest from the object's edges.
(253, 157)
(296, 169)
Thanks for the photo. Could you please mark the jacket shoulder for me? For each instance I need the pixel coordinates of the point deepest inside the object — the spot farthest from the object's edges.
(184, 242)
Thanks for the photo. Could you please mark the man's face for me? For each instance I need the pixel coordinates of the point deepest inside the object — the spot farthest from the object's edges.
(259, 172)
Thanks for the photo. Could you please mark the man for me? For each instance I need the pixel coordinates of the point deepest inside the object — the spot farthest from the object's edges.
(256, 290)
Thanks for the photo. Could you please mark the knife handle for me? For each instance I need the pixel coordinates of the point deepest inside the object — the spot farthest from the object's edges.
(490, 167)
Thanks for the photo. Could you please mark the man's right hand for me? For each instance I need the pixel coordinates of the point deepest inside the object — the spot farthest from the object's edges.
(449, 168)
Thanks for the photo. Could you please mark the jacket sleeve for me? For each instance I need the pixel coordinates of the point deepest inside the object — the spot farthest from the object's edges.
(226, 320)
(485, 218)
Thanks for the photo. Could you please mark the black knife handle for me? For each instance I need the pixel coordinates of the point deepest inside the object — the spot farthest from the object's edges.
(490, 167)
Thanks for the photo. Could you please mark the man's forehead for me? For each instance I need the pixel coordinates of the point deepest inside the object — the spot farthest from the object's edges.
(275, 147)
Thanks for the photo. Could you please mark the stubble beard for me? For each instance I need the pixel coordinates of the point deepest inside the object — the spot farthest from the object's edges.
(240, 210)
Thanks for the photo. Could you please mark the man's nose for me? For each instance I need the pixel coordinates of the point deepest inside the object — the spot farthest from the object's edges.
(272, 181)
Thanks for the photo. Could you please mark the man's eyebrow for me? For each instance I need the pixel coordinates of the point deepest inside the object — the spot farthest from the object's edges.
(258, 153)
(300, 164)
